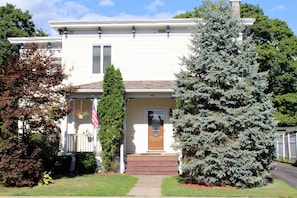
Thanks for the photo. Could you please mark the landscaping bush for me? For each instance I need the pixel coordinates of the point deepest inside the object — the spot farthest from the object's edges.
(48, 141)
(111, 112)
(61, 165)
(85, 163)
(18, 167)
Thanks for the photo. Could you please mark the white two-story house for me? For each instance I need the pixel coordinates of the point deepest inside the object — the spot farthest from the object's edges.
(147, 52)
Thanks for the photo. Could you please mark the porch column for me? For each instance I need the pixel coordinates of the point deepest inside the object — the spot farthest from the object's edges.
(123, 146)
(64, 134)
(64, 126)
(122, 162)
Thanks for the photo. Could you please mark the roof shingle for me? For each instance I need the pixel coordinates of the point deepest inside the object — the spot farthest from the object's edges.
(134, 85)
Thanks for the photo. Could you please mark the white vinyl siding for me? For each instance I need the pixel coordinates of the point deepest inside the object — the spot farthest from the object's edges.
(137, 124)
(145, 57)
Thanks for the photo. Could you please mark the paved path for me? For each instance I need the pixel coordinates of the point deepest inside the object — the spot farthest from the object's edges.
(147, 186)
(287, 173)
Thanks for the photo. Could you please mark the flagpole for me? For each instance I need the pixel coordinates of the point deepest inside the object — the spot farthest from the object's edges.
(95, 123)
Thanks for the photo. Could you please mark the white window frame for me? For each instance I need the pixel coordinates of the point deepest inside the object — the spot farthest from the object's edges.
(101, 58)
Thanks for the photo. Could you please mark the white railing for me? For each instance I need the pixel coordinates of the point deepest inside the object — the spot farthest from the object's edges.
(82, 143)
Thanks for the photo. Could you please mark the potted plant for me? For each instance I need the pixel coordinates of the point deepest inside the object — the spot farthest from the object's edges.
(80, 113)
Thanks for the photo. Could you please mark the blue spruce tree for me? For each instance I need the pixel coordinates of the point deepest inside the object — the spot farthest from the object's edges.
(223, 120)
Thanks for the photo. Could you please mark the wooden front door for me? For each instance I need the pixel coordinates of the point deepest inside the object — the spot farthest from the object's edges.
(156, 129)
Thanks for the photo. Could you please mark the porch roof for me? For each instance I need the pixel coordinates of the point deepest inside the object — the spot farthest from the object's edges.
(132, 86)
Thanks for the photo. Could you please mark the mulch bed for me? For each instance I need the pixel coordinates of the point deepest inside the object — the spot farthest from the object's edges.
(209, 187)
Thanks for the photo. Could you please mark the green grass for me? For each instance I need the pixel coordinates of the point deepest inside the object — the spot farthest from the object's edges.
(87, 185)
(285, 159)
(171, 187)
(120, 185)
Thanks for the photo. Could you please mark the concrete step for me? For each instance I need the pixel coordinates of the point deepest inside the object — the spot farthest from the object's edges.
(165, 164)
(151, 163)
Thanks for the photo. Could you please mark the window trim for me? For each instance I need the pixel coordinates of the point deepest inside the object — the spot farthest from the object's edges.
(101, 59)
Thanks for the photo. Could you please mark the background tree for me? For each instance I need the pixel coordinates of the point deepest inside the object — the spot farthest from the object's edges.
(276, 46)
(34, 95)
(277, 54)
(111, 114)
(223, 121)
(13, 23)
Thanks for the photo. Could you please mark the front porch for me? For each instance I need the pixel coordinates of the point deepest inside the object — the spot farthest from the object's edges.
(147, 126)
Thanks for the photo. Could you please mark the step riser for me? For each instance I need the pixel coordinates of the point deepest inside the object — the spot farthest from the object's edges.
(151, 165)
(152, 169)
(153, 173)
(149, 158)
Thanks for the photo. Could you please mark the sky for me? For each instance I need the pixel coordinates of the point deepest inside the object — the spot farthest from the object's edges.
(55, 10)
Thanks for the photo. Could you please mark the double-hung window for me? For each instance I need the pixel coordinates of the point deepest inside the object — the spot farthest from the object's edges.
(101, 58)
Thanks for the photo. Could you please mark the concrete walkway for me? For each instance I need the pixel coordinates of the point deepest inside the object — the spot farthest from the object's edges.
(147, 186)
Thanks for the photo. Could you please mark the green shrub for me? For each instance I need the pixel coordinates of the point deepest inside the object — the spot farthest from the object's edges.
(46, 179)
(85, 163)
(49, 144)
(112, 114)
(61, 165)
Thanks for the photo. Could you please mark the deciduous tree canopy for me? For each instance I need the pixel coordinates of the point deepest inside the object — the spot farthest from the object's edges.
(32, 99)
(14, 23)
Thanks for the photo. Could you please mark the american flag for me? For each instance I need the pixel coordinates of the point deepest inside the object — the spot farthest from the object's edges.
(95, 119)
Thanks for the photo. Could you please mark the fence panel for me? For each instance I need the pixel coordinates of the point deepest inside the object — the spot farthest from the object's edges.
(286, 145)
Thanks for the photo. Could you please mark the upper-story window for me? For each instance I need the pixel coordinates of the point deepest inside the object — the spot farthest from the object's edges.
(101, 58)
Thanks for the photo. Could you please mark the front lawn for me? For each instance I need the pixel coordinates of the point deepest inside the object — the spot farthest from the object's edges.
(171, 187)
(87, 185)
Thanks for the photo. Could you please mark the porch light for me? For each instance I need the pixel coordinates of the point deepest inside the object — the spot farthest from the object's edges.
(99, 32)
(22, 46)
(170, 112)
(133, 31)
(65, 31)
(168, 30)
